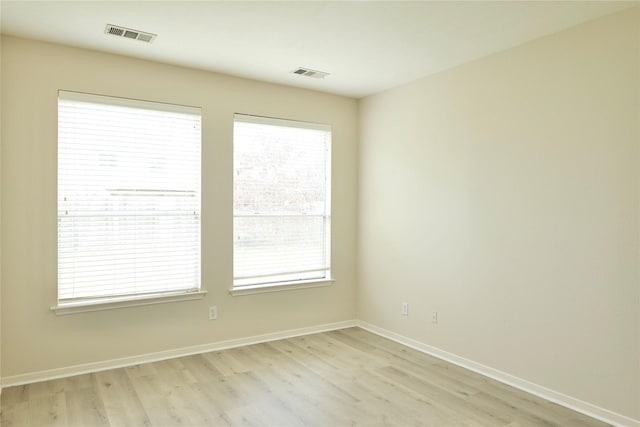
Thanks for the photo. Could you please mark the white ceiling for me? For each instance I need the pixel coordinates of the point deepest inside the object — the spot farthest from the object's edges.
(367, 46)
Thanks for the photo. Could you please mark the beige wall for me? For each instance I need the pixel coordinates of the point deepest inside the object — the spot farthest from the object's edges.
(638, 122)
(1, 214)
(33, 337)
(638, 136)
(503, 194)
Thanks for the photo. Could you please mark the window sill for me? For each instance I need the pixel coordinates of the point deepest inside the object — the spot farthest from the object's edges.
(112, 303)
(284, 286)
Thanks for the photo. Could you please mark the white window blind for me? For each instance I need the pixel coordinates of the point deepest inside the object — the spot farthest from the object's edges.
(282, 206)
(128, 198)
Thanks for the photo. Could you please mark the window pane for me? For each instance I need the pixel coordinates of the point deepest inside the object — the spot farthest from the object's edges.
(128, 197)
(279, 169)
(269, 245)
(281, 201)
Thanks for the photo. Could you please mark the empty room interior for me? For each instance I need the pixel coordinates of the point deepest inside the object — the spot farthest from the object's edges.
(320, 213)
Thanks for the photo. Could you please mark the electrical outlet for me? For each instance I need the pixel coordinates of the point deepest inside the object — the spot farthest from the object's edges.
(434, 317)
(405, 309)
(213, 312)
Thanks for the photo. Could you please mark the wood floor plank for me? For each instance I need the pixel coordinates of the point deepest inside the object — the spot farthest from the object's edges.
(14, 395)
(121, 401)
(522, 401)
(447, 403)
(15, 414)
(348, 377)
(385, 399)
(396, 402)
(144, 369)
(223, 362)
(85, 408)
(48, 410)
(309, 402)
(199, 367)
(263, 413)
(392, 349)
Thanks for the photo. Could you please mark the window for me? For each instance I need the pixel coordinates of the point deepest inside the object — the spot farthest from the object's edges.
(128, 199)
(282, 209)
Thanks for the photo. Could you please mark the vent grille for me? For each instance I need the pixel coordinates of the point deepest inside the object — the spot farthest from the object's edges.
(128, 33)
(310, 73)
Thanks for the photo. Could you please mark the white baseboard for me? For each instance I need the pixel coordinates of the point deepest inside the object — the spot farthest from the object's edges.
(167, 354)
(529, 387)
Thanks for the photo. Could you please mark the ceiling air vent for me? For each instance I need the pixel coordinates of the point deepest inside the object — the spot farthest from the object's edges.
(129, 33)
(310, 73)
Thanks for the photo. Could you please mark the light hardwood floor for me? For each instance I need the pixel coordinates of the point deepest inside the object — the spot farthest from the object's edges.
(340, 378)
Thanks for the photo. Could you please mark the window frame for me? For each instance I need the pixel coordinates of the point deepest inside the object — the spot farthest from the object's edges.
(136, 298)
(281, 285)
